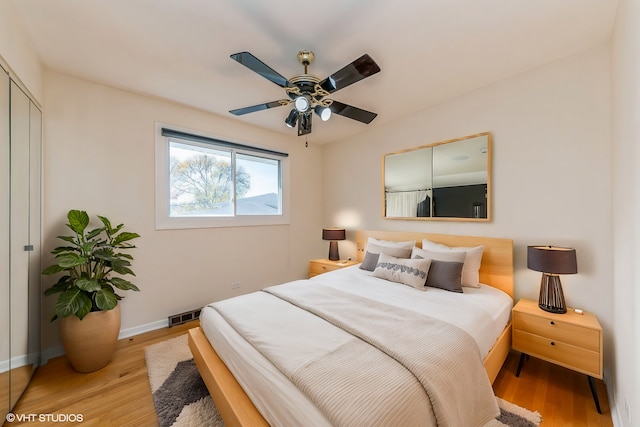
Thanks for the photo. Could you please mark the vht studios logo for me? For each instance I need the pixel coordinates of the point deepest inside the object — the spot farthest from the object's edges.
(44, 418)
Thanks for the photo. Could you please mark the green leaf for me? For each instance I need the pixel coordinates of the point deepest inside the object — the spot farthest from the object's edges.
(106, 222)
(120, 266)
(56, 289)
(105, 255)
(124, 285)
(73, 301)
(53, 269)
(89, 285)
(105, 299)
(93, 233)
(84, 310)
(61, 249)
(69, 239)
(87, 247)
(123, 237)
(67, 261)
(78, 220)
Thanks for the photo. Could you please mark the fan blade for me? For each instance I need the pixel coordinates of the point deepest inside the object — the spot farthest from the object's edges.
(259, 107)
(254, 64)
(351, 112)
(359, 69)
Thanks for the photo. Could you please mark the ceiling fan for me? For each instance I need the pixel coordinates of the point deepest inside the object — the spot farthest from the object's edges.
(308, 93)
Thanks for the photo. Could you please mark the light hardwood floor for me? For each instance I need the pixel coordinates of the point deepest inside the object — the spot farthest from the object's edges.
(120, 395)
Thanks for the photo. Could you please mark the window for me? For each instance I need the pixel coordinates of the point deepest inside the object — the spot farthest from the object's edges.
(207, 182)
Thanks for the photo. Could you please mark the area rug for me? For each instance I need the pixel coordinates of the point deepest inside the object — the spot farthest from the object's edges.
(182, 399)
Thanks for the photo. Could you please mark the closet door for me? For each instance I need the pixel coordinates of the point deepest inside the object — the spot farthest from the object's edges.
(4, 244)
(19, 240)
(22, 273)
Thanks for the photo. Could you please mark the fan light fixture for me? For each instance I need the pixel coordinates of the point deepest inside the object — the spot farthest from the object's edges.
(302, 103)
(323, 112)
(308, 93)
(292, 118)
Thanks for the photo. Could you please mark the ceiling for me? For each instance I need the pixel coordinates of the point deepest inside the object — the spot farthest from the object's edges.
(429, 50)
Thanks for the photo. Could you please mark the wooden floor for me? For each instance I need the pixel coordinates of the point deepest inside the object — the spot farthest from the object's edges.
(120, 394)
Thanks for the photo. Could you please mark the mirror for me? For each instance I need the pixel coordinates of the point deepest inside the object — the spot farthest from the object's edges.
(448, 180)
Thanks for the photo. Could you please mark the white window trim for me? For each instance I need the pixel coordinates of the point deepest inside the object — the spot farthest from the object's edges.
(166, 222)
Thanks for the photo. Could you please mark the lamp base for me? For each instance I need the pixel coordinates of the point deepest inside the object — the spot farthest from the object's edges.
(551, 296)
(333, 251)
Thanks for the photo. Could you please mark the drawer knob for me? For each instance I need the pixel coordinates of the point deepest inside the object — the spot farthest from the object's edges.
(552, 343)
(552, 322)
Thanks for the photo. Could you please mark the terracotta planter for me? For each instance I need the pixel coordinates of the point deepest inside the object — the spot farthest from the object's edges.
(89, 343)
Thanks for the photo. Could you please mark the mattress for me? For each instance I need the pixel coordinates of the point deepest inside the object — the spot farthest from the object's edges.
(481, 312)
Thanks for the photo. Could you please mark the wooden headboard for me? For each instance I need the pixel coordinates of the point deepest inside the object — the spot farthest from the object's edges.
(497, 258)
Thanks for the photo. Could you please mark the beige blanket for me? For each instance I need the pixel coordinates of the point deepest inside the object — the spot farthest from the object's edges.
(397, 364)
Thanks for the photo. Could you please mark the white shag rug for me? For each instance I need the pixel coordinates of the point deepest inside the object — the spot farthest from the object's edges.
(182, 399)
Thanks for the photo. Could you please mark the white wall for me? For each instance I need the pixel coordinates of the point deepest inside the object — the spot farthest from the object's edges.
(626, 209)
(99, 147)
(17, 50)
(551, 172)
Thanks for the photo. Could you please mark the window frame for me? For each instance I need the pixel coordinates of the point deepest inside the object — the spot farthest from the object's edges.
(165, 133)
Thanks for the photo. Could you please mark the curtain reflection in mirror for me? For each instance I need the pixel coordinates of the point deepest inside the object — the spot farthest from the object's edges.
(408, 203)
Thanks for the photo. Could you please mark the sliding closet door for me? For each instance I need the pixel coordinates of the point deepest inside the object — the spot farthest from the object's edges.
(20, 371)
(4, 244)
(24, 236)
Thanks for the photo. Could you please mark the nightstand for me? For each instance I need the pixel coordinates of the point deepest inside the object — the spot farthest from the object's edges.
(322, 265)
(571, 340)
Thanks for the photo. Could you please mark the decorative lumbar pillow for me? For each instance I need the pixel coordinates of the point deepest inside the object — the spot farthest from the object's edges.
(411, 272)
(445, 275)
(375, 247)
(471, 269)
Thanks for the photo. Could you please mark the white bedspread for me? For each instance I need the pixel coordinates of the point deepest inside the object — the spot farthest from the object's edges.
(482, 313)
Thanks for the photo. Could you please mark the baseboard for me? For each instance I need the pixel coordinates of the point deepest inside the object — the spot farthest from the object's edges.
(614, 408)
(57, 351)
(18, 362)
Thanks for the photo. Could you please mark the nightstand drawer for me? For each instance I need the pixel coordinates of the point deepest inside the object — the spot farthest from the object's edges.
(317, 268)
(323, 265)
(555, 330)
(556, 351)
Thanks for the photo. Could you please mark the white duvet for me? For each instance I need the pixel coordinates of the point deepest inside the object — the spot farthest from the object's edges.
(482, 312)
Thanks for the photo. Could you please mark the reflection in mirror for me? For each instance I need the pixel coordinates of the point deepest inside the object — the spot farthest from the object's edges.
(445, 180)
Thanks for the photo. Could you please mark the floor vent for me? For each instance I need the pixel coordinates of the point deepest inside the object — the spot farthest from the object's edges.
(187, 316)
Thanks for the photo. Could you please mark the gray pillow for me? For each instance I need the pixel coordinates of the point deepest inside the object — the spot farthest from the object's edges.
(445, 275)
(373, 253)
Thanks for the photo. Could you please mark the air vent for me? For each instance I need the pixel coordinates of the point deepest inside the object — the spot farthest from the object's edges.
(187, 316)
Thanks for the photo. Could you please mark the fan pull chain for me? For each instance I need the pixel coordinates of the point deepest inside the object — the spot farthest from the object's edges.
(306, 141)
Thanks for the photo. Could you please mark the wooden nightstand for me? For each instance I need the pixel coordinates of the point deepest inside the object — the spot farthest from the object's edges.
(571, 340)
(322, 265)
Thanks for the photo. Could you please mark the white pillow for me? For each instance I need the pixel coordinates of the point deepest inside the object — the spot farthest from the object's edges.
(411, 272)
(471, 268)
(375, 247)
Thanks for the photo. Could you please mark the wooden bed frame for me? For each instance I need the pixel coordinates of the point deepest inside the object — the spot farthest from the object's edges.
(235, 406)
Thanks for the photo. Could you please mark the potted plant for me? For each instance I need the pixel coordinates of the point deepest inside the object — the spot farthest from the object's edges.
(87, 304)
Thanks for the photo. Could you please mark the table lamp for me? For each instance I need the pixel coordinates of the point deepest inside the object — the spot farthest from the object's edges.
(333, 234)
(552, 261)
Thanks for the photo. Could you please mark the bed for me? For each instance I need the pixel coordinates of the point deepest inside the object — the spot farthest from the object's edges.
(235, 405)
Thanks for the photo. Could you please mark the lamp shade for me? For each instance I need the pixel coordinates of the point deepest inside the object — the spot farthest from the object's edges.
(552, 259)
(333, 234)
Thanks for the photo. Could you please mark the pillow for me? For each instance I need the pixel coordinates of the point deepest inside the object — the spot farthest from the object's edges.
(375, 247)
(439, 256)
(470, 271)
(411, 272)
(445, 275)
